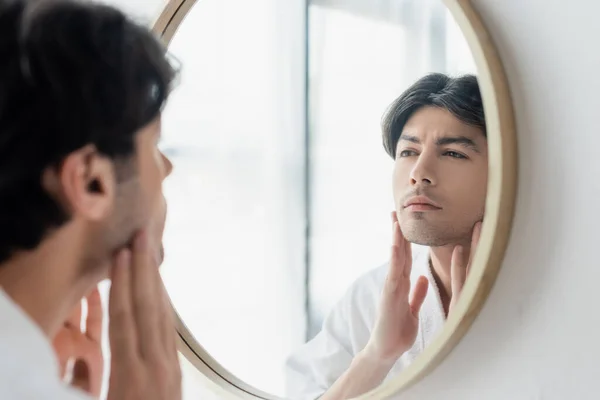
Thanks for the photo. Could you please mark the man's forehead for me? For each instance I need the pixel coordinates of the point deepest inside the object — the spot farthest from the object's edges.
(432, 124)
(435, 135)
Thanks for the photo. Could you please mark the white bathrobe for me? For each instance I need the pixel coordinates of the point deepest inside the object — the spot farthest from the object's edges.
(313, 368)
(28, 365)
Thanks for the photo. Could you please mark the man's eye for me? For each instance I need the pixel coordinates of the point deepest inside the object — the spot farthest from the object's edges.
(454, 154)
(406, 153)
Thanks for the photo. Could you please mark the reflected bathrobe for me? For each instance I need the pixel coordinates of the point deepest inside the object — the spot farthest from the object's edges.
(315, 366)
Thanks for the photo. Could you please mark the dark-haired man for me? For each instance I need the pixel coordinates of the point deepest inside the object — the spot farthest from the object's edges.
(435, 132)
(81, 93)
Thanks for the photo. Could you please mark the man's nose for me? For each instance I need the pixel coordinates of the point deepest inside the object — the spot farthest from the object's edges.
(423, 172)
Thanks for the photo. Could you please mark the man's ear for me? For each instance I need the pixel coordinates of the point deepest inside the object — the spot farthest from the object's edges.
(85, 182)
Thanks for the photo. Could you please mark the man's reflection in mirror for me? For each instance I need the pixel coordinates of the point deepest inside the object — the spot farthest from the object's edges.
(435, 132)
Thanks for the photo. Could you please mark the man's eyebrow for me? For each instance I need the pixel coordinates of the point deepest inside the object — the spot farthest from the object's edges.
(460, 140)
(409, 138)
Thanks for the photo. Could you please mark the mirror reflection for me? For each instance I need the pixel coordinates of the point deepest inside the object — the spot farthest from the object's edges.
(300, 251)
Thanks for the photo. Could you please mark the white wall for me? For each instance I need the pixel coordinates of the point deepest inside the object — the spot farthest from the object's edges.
(538, 335)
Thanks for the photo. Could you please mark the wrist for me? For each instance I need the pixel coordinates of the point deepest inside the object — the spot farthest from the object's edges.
(376, 359)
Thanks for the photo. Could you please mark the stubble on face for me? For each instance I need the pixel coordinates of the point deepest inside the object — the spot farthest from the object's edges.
(418, 228)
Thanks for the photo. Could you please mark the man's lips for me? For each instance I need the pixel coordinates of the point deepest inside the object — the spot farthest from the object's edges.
(421, 203)
(421, 207)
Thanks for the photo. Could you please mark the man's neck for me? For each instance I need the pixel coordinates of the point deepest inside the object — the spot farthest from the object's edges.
(441, 259)
(48, 282)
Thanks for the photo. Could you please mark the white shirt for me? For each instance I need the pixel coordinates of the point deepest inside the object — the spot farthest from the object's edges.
(28, 365)
(319, 363)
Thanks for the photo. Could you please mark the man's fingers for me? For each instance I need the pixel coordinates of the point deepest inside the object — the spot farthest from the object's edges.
(401, 256)
(397, 238)
(395, 269)
(63, 347)
(404, 245)
(93, 323)
(400, 259)
(418, 295)
(74, 320)
(407, 255)
(122, 331)
(146, 296)
(395, 221)
(458, 270)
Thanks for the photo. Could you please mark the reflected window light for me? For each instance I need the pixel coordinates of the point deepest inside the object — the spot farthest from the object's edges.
(233, 238)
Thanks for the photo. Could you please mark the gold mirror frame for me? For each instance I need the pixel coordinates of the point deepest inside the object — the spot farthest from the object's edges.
(500, 204)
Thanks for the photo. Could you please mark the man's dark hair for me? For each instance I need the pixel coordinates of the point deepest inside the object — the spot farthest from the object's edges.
(72, 74)
(460, 96)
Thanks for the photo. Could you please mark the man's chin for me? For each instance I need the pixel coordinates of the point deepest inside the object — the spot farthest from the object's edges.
(433, 238)
(422, 233)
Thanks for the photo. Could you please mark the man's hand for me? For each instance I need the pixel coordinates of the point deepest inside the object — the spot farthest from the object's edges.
(144, 359)
(460, 266)
(395, 329)
(398, 318)
(83, 347)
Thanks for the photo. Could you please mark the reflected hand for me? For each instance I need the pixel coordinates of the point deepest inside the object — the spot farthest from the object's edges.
(84, 347)
(459, 267)
(397, 322)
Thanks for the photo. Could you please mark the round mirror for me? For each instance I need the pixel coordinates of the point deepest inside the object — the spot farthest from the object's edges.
(301, 131)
